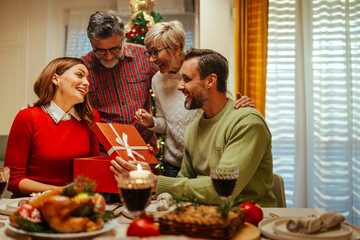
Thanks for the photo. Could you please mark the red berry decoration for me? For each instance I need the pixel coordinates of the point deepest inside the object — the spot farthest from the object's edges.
(252, 212)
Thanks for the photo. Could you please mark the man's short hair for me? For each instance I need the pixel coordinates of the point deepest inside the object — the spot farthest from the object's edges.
(166, 33)
(103, 24)
(211, 62)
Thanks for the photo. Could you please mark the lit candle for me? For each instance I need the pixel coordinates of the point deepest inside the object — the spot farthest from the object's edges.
(139, 173)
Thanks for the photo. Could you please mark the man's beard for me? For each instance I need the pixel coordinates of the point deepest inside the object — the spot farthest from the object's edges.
(197, 100)
(110, 64)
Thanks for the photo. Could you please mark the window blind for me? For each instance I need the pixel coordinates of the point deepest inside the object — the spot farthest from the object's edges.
(329, 65)
(280, 91)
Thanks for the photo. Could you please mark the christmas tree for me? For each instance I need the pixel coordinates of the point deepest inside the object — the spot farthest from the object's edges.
(140, 27)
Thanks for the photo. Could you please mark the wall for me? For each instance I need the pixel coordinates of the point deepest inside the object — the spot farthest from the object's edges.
(217, 31)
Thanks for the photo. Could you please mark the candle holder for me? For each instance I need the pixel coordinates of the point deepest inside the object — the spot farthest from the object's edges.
(135, 191)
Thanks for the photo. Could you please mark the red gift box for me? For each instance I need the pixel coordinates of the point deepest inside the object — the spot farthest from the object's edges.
(98, 170)
(112, 138)
(123, 141)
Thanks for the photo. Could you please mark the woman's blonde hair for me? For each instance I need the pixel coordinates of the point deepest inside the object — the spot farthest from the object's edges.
(167, 33)
(45, 89)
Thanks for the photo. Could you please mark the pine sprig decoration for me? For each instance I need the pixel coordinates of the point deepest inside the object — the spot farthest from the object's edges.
(185, 200)
(80, 185)
(225, 207)
(156, 16)
(29, 226)
(140, 20)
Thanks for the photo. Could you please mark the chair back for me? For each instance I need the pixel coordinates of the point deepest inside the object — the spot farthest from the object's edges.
(279, 190)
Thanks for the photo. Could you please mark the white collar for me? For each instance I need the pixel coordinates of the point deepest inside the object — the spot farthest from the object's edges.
(57, 114)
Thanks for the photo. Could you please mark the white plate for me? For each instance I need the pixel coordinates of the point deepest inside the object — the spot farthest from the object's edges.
(11, 205)
(343, 233)
(107, 227)
(14, 204)
(265, 227)
(293, 212)
(151, 210)
(4, 210)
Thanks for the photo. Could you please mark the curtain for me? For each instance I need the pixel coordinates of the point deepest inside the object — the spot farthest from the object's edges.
(313, 86)
(251, 49)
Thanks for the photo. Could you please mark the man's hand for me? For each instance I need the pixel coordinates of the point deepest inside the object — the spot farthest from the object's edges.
(120, 166)
(144, 118)
(243, 101)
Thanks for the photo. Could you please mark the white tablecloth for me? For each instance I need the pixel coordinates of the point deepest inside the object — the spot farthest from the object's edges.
(119, 232)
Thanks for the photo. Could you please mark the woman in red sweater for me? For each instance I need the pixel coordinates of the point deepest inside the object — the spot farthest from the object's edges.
(45, 139)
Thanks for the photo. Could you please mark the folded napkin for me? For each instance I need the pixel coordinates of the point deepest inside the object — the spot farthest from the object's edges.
(324, 222)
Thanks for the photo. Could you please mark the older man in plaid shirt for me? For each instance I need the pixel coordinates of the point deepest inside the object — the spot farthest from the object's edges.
(120, 73)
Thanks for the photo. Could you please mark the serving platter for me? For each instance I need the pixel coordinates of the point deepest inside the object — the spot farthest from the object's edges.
(107, 227)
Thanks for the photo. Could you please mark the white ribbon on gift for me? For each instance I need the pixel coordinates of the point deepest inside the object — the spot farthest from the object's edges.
(124, 146)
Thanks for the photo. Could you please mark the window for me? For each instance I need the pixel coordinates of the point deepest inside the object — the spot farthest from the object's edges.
(77, 43)
(313, 85)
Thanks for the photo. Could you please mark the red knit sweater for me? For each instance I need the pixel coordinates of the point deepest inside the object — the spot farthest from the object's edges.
(40, 150)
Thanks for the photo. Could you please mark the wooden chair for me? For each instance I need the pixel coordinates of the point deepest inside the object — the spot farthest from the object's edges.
(279, 190)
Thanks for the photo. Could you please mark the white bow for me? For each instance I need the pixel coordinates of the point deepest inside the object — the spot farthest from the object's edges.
(124, 146)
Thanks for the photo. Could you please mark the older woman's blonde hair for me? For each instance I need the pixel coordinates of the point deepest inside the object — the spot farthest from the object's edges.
(168, 34)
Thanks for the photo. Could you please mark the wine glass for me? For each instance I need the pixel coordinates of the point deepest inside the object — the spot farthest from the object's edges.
(135, 192)
(224, 180)
(4, 179)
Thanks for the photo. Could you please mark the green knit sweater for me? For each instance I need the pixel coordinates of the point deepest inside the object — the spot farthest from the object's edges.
(234, 137)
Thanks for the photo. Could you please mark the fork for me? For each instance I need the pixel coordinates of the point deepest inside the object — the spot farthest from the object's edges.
(273, 215)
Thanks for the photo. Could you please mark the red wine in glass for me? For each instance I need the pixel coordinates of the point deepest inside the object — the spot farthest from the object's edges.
(136, 199)
(224, 181)
(135, 192)
(224, 187)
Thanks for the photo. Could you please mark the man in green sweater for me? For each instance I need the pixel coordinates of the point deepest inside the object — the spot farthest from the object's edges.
(222, 136)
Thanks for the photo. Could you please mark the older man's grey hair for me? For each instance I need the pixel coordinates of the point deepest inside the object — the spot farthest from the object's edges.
(103, 24)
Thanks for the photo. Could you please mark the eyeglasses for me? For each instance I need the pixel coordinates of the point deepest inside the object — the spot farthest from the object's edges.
(113, 50)
(155, 52)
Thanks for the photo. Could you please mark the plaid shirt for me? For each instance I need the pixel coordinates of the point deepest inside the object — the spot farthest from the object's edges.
(118, 92)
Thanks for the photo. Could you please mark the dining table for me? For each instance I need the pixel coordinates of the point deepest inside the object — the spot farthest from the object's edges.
(120, 224)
